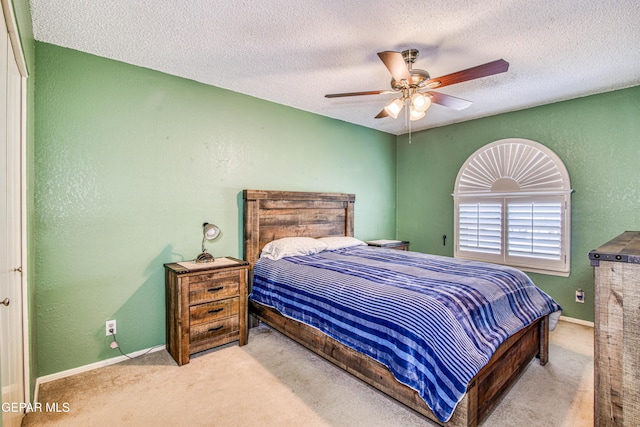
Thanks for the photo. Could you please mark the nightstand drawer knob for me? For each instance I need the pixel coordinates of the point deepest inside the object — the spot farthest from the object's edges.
(215, 329)
(217, 310)
(219, 288)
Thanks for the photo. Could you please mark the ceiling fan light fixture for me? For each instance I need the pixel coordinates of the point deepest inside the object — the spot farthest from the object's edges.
(420, 102)
(415, 115)
(411, 81)
(394, 108)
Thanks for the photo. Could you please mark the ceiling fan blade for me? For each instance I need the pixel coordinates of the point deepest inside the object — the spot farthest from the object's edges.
(396, 65)
(382, 114)
(449, 101)
(371, 92)
(484, 70)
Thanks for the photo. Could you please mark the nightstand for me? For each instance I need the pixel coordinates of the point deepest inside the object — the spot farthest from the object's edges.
(206, 305)
(401, 245)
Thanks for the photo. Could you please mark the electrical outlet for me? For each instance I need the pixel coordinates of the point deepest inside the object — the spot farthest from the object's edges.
(580, 296)
(110, 327)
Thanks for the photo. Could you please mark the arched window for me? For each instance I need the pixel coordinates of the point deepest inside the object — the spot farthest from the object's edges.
(512, 202)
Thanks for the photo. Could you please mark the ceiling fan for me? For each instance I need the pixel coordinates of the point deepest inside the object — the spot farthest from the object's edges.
(415, 85)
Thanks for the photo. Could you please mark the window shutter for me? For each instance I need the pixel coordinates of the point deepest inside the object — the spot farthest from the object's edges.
(513, 206)
(480, 227)
(534, 230)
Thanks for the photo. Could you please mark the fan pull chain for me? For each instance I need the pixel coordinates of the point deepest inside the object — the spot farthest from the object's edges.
(406, 118)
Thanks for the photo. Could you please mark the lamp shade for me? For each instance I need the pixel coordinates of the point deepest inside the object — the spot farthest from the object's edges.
(209, 232)
(420, 102)
(394, 108)
(415, 115)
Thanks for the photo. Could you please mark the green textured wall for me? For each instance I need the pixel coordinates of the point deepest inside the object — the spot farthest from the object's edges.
(130, 162)
(597, 138)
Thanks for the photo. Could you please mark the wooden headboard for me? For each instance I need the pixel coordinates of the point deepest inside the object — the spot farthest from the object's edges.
(270, 215)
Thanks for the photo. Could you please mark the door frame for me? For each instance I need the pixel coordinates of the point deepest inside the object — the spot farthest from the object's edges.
(16, 45)
(23, 244)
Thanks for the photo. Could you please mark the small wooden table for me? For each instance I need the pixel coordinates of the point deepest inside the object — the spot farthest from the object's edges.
(402, 245)
(206, 305)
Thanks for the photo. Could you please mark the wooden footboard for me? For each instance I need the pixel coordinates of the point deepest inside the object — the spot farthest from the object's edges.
(483, 393)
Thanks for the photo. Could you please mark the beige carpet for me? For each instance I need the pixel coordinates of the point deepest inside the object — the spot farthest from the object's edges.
(273, 381)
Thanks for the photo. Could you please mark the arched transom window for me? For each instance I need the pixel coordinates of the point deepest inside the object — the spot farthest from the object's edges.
(512, 203)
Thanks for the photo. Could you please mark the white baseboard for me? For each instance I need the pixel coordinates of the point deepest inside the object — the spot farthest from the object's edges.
(577, 321)
(90, 367)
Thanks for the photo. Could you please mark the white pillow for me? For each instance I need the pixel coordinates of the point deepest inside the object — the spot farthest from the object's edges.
(292, 246)
(339, 242)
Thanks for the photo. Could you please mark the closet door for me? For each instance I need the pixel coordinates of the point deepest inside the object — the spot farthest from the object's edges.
(11, 316)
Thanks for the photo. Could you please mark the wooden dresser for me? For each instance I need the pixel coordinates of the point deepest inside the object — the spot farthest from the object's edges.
(206, 306)
(617, 331)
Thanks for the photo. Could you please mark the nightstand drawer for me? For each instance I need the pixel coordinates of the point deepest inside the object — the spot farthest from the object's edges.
(212, 330)
(211, 287)
(212, 311)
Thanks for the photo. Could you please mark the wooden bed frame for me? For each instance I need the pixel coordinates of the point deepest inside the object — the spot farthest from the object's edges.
(270, 215)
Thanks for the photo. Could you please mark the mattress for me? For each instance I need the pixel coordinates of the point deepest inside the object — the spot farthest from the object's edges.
(433, 321)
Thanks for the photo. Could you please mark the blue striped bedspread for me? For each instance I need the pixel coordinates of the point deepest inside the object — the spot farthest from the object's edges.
(433, 321)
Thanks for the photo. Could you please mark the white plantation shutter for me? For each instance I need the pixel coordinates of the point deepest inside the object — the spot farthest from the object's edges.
(480, 227)
(535, 230)
(512, 206)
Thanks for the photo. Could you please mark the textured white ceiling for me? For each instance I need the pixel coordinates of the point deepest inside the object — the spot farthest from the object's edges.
(294, 52)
